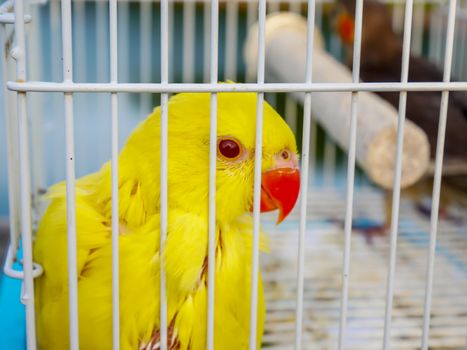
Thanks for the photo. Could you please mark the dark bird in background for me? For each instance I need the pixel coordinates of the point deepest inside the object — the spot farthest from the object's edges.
(381, 61)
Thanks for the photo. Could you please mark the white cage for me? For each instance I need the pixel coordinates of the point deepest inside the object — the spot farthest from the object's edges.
(105, 62)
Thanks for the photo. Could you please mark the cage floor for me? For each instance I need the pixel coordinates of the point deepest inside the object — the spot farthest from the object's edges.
(323, 265)
(368, 274)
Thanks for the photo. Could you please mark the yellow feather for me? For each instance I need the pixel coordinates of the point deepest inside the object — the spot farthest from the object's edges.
(186, 246)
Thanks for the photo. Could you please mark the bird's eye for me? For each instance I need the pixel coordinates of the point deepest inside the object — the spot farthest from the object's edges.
(285, 155)
(229, 148)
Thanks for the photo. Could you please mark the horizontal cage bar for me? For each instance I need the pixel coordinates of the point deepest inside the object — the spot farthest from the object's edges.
(248, 87)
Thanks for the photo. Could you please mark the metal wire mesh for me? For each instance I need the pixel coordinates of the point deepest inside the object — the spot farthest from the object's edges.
(331, 304)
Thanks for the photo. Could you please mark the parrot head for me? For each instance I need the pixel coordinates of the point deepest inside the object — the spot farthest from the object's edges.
(189, 115)
(188, 157)
(378, 40)
(280, 180)
(342, 21)
(345, 28)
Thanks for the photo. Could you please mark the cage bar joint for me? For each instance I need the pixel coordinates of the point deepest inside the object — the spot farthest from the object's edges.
(9, 271)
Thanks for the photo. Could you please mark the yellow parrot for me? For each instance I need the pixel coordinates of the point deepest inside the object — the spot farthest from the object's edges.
(187, 238)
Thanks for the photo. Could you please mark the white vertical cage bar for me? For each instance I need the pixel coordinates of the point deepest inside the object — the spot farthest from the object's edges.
(189, 28)
(304, 176)
(35, 73)
(438, 175)
(25, 181)
(26, 226)
(257, 176)
(145, 69)
(207, 40)
(212, 173)
(350, 186)
(70, 175)
(11, 149)
(231, 40)
(397, 176)
(55, 70)
(113, 30)
(163, 169)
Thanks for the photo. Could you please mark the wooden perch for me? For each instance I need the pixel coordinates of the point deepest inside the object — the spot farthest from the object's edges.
(376, 119)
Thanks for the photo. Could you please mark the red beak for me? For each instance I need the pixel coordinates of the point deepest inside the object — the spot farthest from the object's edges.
(279, 190)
